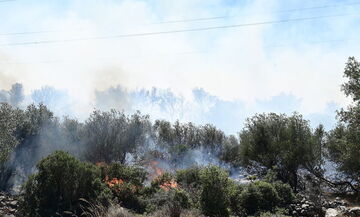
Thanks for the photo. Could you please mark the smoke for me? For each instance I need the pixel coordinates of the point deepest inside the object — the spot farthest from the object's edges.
(14, 96)
(199, 106)
(50, 137)
(245, 64)
(57, 101)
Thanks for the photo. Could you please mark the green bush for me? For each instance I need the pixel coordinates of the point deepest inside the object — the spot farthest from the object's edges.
(129, 197)
(257, 197)
(189, 177)
(234, 198)
(285, 193)
(214, 196)
(59, 184)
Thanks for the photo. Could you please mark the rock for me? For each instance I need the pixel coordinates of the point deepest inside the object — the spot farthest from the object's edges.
(354, 211)
(331, 212)
(305, 206)
(13, 203)
(8, 205)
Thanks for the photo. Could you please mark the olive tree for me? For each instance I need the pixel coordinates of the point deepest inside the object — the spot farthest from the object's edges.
(286, 144)
(344, 141)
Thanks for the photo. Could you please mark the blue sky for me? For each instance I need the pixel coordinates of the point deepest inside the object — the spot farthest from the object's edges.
(274, 67)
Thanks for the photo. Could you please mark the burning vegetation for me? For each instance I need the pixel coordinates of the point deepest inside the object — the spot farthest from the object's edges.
(113, 147)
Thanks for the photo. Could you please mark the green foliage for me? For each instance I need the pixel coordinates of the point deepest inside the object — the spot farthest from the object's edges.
(129, 197)
(190, 180)
(258, 196)
(234, 198)
(109, 136)
(231, 151)
(214, 195)
(9, 122)
(284, 192)
(343, 142)
(286, 143)
(59, 184)
(189, 177)
(179, 138)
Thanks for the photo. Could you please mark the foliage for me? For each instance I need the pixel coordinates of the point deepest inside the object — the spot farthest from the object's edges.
(110, 136)
(189, 177)
(59, 184)
(178, 138)
(285, 143)
(9, 121)
(130, 174)
(344, 142)
(214, 195)
(258, 196)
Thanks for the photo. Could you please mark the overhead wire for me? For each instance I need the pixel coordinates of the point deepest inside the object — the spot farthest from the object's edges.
(274, 12)
(3, 1)
(173, 31)
(164, 54)
(190, 19)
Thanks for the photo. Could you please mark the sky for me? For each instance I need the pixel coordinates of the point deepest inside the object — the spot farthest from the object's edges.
(262, 56)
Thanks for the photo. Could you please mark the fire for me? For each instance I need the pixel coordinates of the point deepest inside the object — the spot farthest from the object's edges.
(156, 172)
(113, 182)
(168, 185)
(101, 164)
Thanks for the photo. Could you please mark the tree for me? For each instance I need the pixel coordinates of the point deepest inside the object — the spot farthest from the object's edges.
(16, 94)
(8, 125)
(109, 136)
(272, 141)
(344, 141)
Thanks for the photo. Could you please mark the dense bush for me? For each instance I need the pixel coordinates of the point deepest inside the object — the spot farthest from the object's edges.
(214, 195)
(285, 193)
(260, 197)
(58, 185)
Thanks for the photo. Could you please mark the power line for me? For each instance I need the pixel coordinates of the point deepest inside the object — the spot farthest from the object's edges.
(173, 31)
(279, 11)
(164, 54)
(30, 33)
(187, 20)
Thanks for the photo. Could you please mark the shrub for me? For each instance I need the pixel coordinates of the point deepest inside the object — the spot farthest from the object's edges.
(234, 198)
(99, 210)
(258, 196)
(59, 184)
(284, 192)
(173, 199)
(214, 195)
(129, 197)
(189, 177)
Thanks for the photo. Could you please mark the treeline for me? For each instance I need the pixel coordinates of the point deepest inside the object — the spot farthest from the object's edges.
(284, 146)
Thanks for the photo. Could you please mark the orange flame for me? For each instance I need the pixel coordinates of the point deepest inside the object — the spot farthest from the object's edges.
(113, 182)
(156, 170)
(168, 185)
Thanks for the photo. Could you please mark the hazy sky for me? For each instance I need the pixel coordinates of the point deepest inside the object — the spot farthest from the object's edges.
(292, 65)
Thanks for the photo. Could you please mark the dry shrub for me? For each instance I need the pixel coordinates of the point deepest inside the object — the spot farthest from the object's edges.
(99, 210)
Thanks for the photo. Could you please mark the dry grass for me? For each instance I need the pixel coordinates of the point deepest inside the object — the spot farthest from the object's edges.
(98, 210)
